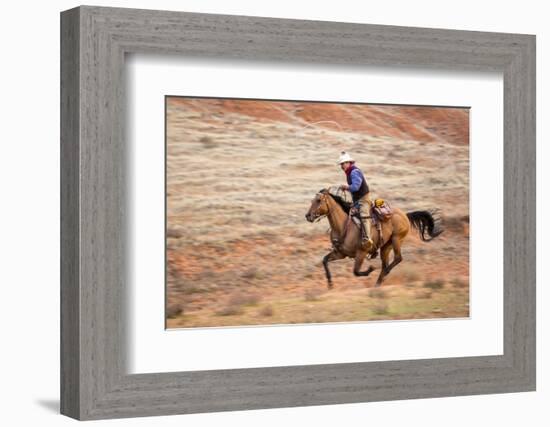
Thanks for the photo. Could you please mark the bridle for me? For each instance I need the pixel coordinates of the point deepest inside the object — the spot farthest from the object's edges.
(319, 216)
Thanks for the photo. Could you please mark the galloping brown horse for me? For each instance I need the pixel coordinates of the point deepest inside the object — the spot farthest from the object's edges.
(346, 237)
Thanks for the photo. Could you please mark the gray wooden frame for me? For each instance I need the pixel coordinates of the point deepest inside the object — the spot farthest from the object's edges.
(94, 382)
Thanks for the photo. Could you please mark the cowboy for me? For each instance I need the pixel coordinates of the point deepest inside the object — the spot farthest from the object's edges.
(357, 186)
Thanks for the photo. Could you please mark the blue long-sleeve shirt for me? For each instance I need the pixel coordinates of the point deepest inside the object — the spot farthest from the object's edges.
(355, 180)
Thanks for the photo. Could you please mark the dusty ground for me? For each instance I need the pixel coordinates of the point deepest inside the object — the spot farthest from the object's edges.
(240, 178)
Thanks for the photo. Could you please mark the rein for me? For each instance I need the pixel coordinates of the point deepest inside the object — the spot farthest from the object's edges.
(336, 242)
(346, 226)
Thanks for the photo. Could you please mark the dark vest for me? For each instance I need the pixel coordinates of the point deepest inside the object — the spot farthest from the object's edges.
(363, 189)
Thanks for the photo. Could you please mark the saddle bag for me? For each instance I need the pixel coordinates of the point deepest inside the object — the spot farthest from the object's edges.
(382, 209)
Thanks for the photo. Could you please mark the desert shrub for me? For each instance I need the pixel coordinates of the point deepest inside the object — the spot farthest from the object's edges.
(380, 308)
(208, 142)
(207, 274)
(411, 275)
(244, 299)
(174, 310)
(266, 311)
(236, 304)
(230, 310)
(252, 273)
(377, 293)
(312, 294)
(186, 287)
(423, 294)
(459, 283)
(174, 233)
(434, 284)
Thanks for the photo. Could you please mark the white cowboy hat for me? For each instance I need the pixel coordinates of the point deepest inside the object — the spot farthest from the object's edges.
(345, 157)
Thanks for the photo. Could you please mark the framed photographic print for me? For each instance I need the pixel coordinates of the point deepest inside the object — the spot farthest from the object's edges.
(292, 213)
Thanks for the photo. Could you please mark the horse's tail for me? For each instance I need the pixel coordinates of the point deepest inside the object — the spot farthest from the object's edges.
(426, 222)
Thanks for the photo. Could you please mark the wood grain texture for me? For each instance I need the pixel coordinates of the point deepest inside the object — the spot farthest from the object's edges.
(95, 275)
(70, 291)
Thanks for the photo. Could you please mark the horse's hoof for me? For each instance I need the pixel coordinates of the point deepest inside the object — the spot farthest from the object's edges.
(330, 286)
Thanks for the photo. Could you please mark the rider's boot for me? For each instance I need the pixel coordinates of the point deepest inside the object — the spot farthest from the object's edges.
(365, 239)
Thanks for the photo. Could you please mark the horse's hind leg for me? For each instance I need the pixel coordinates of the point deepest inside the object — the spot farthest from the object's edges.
(331, 256)
(384, 256)
(397, 258)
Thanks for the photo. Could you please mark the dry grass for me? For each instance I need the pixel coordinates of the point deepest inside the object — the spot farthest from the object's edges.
(338, 305)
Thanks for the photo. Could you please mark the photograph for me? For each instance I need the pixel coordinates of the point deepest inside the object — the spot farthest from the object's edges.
(305, 212)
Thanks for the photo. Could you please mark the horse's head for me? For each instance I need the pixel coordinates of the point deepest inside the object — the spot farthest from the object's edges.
(319, 206)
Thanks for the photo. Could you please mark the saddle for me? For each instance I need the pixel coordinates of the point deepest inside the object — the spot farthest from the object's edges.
(355, 217)
(381, 210)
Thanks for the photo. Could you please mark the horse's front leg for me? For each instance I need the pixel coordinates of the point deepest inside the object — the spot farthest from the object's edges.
(384, 257)
(359, 258)
(331, 256)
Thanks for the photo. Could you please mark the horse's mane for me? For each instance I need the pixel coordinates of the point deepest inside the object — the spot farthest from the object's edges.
(346, 206)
